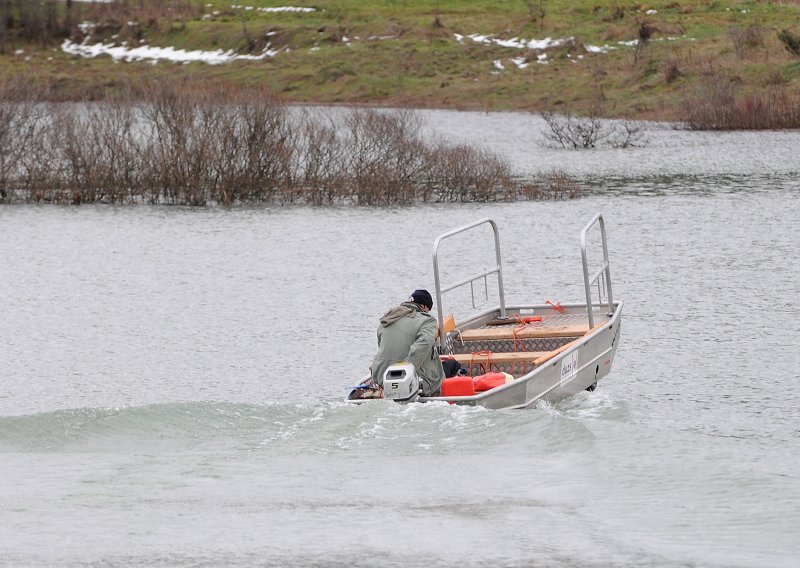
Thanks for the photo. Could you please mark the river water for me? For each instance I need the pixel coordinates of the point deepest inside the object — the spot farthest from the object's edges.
(172, 377)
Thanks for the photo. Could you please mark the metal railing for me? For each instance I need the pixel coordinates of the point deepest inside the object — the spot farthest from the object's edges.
(601, 278)
(497, 269)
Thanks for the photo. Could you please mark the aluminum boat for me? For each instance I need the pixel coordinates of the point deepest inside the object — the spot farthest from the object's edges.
(538, 352)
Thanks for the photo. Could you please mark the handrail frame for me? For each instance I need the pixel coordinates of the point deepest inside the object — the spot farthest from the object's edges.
(497, 269)
(602, 276)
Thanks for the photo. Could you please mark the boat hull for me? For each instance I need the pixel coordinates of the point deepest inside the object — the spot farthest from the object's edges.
(571, 371)
(555, 350)
(586, 361)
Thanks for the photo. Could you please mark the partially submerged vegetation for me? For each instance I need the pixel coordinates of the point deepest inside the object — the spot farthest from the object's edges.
(631, 59)
(581, 133)
(220, 129)
(186, 144)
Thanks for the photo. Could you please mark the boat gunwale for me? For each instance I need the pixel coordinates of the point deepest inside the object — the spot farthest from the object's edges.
(575, 344)
(544, 362)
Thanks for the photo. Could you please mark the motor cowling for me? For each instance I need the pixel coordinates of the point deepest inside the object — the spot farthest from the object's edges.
(400, 382)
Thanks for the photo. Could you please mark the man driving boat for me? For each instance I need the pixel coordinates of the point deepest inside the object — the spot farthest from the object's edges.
(407, 333)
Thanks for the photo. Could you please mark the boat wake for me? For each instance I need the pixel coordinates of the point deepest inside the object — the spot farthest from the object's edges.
(281, 428)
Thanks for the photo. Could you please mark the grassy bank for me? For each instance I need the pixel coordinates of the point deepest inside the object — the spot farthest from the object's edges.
(419, 52)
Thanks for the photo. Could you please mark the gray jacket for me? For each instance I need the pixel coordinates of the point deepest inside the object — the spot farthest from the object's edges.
(406, 333)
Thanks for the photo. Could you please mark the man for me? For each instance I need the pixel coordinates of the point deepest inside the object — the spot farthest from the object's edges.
(408, 333)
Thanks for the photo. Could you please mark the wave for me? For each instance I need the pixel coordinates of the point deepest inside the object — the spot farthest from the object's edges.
(320, 427)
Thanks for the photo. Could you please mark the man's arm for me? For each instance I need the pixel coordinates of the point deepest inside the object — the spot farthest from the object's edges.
(422, 347)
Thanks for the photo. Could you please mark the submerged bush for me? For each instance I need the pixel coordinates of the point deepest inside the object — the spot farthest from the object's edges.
(586, 132)
(178, 144)
(569, 131)
(553, 185)
(24, 122)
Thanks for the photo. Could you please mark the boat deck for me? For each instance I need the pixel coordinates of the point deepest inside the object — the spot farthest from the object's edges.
(551, 350)
(519, 347)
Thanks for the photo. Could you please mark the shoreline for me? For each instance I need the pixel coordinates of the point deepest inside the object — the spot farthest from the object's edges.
(625, 61)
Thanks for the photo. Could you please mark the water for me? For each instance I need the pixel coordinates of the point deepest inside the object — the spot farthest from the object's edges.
(171, 379)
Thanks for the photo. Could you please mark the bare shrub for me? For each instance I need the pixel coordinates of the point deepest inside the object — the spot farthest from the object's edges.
(580, 133)
(23, 121)
(186, 144)
(560, 185)
(555, 184)
(37, 169)
(569, 131)
(163, 15)
(385, 155)
(254, 150)
(711, 104)
(644, 34)
(209, 146)
(378, 157)
(181, 126)
(616, 13)
(39, 21)
(101, 151)
(48, 21)
(714, 105)
(465, 173)
(628, 134)
(320, 160)
(535, 10)
(449, 171)
(671, 72)
(746, 39)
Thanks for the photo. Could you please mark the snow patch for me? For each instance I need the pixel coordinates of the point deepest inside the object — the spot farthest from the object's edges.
(156, 54)
(599, 48)
(275, 9)
(86, 27)
(519, 62)
(516, 43)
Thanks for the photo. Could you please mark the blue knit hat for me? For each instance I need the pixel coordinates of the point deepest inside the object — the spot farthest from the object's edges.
(422, 297)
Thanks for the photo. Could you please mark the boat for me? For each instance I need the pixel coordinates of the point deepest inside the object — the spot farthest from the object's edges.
(513, 356)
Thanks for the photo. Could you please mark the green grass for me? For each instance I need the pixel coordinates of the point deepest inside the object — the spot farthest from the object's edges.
(423, 64)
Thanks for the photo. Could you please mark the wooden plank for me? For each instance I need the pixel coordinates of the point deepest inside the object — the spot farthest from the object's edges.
(449, 324)
(527, 332)
(546, 357)
(515, 357)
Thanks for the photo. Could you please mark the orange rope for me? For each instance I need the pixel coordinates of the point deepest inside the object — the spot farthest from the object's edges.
(555, 308)
(525, 321)
(487, 367)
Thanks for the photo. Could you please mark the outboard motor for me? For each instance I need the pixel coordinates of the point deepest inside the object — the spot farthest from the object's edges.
(400, 382)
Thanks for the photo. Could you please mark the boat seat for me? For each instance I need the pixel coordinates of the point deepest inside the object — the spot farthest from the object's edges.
(514, 357)
(510, 361)
(526, 332)
(514, 362)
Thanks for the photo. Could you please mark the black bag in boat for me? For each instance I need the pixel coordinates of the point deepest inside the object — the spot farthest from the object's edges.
(451, 367)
